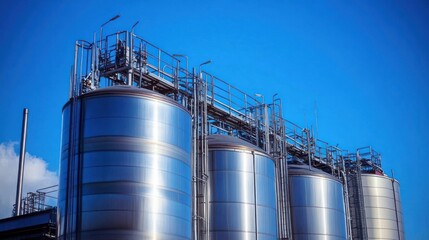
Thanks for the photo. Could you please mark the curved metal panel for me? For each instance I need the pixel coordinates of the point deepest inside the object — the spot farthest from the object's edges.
(130, 177)
(383, 212)
(317, 205)
(242, 197)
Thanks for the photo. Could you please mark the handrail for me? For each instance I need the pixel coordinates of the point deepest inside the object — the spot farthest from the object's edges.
(124, 51)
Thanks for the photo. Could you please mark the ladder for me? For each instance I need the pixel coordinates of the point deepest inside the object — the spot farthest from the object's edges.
(357, 202)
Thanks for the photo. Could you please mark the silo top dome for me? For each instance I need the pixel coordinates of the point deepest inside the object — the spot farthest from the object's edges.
(294, 169)
(130, 91)
(218, 141)
(127, 90)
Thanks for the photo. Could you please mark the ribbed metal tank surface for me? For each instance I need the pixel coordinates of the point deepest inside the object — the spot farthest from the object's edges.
(317, 204)
(242, 197)
(125, 167)
(383, 212)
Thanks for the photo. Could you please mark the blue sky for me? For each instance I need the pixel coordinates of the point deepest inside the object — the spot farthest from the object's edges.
(364, 64)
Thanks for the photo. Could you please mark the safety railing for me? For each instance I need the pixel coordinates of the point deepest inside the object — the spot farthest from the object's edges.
(42, 199)
(336, 154)
(369, 154)
(295, 136)
(124, 51)
(157, 61)
(113, 53)
(230, 99)
(124, 55)
(322, 153)
(83, 73)
(370, 160)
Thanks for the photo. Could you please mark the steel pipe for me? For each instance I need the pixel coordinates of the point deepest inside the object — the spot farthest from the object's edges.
(21, 163)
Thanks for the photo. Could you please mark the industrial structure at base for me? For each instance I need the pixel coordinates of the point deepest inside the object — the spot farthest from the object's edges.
(152, 150)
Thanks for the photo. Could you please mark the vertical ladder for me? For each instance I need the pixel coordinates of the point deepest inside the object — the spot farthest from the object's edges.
(361, 200)
(357, 203)
(201, 161)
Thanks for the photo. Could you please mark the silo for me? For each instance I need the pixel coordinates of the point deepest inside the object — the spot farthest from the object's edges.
(242, 196)
(316, 204)
(125, 166)
(381, 208)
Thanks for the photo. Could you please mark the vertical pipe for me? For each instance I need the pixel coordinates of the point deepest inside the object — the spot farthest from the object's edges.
(267, 129)
(71, 83)
(79, 159)
(194, 158)
(213, 89)
(101, 35)
(396, 207)
(277, 156)
(245, 107)
(93, 65)
(21, 162)
(343, 174)
(141, 64)
(285, 182)
(254, 194)
(187, 74)
(130, 43)
(278, 197)
(307, 131)
(159, 62)
(257, 126)
(205, 162)
(229, 99)
(176, 79)
(74, 90)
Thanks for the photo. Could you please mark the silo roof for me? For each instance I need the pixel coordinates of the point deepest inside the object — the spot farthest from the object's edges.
(218, 141)
(130, 91)
(296, 170)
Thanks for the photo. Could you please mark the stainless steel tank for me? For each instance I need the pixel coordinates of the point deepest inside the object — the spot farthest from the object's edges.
(382, 208)
(317, 204)
(242, 196)
(125, 167)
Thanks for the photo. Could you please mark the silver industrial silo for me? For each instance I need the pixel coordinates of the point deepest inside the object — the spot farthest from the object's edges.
(242, 196)
(381, 211)
(316, 204)
(125, 167)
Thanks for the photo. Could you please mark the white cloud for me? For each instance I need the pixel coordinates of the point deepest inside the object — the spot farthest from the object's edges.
(36, 176)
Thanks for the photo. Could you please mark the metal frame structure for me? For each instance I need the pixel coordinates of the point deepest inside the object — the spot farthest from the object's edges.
(217, 107)
(36, 201)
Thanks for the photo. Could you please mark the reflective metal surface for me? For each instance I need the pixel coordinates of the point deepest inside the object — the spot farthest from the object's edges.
(317, 204)
(125, 172)
(382, 207)
(242, 197)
